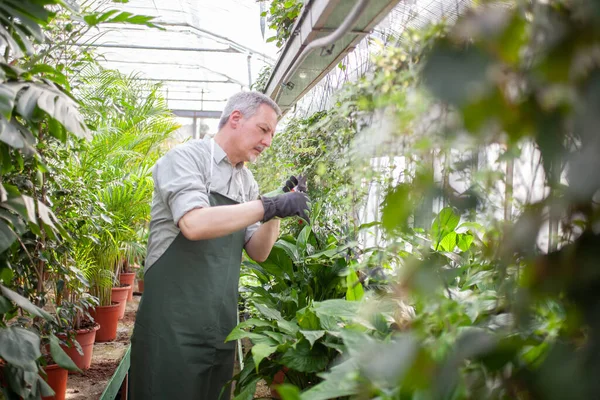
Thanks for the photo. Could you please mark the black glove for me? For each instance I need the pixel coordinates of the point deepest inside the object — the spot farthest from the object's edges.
(286, 205)
(290, 184)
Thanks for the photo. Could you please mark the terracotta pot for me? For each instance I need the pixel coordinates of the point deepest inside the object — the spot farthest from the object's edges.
(278, 379)
(119, 295)
(108, 318)
(140, 285)
(57, 379)
(127, 278)
(86, 338)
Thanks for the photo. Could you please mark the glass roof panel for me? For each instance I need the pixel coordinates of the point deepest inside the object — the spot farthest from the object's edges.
(207, 51)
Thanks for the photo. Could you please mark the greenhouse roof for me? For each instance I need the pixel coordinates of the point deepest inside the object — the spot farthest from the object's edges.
(206, 51)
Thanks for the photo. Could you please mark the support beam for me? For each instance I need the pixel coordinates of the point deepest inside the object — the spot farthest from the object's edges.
(187, 66)
(158, 48)
(197, 114)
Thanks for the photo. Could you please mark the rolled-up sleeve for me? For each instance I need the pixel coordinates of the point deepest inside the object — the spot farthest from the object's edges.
(252, 195)
(180, 180)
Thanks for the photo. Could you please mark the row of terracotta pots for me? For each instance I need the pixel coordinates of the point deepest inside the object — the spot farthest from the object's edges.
(105, 330)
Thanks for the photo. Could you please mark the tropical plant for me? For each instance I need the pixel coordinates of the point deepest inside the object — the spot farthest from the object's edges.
(305, 283)
(132, 121)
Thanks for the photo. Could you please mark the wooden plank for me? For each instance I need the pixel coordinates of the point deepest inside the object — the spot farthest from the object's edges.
(114, 385)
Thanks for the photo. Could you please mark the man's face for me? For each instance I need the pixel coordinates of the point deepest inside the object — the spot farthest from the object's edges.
(256, 132)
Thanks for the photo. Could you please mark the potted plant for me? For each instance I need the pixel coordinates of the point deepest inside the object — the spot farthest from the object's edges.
(140, 279)
(103, 254)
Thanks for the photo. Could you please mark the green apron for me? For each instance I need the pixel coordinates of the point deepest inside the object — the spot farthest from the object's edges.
(189, 306)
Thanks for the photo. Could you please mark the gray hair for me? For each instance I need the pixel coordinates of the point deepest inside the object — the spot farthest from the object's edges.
(247, 103)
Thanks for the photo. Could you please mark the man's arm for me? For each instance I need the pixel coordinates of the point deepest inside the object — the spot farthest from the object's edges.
(260, 244)
(213, 222)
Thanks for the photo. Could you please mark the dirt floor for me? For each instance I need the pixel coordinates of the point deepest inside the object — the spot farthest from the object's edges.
(90, 384)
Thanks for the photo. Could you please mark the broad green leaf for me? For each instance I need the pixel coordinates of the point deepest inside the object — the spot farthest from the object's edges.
(7, 236)
(267, 312)
(312, 336)
(307, 319)
(10, 135)
(5, 305)
(278, 337)
(254, 322)
(288, 392)
(448, 243)
(303, 358)
(289, 327)
(261, 351)
(396, 208)
(336, 308)
(445, 222)
(278, 264)
(7, 100)
(354, 291)
(25, 304)
(20, 347)
(46, 215)
(238, 333)
(60, 357)
(338, 382)
(249, 391)
(302, 240)
(464, 241)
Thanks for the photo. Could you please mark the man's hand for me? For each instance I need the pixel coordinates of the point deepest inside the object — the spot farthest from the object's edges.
(286, 205)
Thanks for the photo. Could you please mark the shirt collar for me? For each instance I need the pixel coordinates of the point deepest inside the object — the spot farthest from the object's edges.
(220, 155)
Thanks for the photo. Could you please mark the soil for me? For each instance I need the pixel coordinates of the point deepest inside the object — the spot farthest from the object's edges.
(90, 384)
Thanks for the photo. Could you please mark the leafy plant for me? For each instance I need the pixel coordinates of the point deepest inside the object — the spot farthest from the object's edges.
(282, 15)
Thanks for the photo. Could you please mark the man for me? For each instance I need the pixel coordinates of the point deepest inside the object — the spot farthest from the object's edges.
(205, 210)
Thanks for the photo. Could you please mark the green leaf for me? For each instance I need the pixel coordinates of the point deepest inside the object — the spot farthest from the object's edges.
(289, 327)
(457, 75)
(354, 291)
(5, 305)
(464, 241)
(268, 312)
(396, 208)
(303, 358)
(260, 352)
(448, 243)
(302, 240)
(445, 222)
(7, 236)
(288, 392)
(60, 357)
(7, 100)
(249, 391)
(339, 382)
(238, 333)
(307, 319)
(337, 308)
(20, 347)
(25, 304)
(312, 336)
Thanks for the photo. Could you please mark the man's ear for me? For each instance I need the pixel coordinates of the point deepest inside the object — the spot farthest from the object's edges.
(235, 118)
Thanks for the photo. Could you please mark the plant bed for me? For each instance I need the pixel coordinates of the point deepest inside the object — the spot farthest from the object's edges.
(91, 384)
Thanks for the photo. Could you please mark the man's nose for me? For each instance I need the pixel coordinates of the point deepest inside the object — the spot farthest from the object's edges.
(267, 141)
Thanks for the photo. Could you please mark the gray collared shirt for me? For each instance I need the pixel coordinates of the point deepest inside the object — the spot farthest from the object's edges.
(181, 178)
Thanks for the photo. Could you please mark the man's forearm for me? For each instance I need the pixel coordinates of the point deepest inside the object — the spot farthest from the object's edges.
(260, 244)
(213, 222)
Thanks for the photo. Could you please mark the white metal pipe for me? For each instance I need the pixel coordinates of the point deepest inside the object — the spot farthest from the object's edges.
(346, 26)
